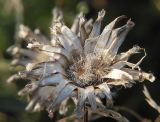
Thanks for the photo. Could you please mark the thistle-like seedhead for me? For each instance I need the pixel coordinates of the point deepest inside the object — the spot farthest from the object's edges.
(81, 63)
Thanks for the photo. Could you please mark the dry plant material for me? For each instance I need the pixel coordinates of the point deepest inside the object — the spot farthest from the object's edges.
(150, 100)
(81, 63)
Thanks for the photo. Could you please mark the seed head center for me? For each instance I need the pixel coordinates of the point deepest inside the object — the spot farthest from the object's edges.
(87, 70)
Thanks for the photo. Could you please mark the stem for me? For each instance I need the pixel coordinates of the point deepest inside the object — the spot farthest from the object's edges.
(69, 119)
(130, 111)
(85, 118)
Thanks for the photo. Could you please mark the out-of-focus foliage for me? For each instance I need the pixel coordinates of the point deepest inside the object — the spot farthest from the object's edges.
(37, 13)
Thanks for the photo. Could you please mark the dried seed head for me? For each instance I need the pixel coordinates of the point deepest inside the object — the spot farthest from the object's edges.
(81, 63)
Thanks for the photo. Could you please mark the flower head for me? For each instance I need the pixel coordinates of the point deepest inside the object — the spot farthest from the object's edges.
(81, 63)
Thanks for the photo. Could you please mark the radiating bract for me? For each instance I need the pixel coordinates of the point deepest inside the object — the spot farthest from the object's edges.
(81, 63)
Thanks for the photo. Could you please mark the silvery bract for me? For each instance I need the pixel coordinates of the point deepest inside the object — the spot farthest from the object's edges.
(79, 63)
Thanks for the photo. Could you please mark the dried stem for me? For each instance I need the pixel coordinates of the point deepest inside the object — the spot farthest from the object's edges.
(136, 115)
(133, 113)
(85, 118)
(70, 118)
(150, 100)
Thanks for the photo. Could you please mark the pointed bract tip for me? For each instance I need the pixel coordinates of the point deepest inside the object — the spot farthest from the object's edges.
(130, 23)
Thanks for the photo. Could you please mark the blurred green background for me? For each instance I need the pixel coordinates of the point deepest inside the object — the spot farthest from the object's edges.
(37, 14)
